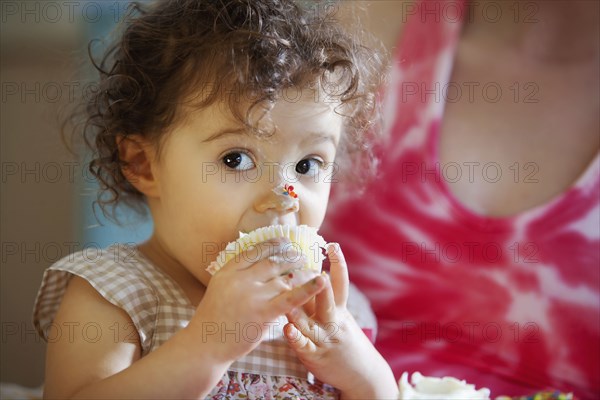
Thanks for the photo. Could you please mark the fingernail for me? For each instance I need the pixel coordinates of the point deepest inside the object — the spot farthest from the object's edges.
(277, 259)
(292, 332)
(292, 254)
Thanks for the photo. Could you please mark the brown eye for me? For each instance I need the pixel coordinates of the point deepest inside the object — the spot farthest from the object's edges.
(308, 166)
(238, 160)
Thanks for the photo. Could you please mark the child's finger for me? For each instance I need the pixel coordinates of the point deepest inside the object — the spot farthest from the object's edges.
(306, 325)
(254, 254)
(298, 316)
(325, 304)
(298, 342)
(338, 273)
(296, 297)
(278, 265)
(309, 307)
(276, 286)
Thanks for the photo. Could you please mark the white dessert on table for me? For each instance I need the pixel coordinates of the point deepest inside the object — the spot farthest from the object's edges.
(431, 388)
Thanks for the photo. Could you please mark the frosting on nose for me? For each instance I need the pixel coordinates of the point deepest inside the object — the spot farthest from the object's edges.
(287, 197)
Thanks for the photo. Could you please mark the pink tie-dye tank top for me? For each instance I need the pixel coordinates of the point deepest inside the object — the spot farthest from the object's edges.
(509, 303)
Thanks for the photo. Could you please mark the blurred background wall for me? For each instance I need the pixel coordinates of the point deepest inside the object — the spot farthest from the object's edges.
(46, 195)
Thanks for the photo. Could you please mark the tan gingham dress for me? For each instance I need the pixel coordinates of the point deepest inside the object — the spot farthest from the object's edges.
(158, 308)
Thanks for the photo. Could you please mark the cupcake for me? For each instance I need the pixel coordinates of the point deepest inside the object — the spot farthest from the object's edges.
(431, 388)
(304, 239)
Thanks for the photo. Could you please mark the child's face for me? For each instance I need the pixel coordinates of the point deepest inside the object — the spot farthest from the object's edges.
(212, 184)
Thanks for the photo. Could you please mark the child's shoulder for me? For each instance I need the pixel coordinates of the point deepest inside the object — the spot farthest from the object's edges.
(116, 272)
(117, 266)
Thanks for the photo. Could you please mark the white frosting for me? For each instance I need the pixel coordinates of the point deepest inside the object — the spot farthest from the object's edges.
(431, 388)
(286, 201)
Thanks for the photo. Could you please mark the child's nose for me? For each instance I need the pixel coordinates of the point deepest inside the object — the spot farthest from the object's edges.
(282, 204)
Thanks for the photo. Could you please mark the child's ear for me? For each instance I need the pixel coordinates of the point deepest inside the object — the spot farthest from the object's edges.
(138, 157)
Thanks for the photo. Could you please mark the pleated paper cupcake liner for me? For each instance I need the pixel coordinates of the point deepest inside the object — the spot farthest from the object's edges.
(304, 239)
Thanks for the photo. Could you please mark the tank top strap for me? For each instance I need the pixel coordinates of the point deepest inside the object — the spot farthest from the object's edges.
(117, 275)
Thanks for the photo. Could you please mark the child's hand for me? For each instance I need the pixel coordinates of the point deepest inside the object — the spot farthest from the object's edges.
(246, 296)
(332, 346)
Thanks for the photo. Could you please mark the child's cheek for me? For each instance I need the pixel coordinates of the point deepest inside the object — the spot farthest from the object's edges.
(314, 206)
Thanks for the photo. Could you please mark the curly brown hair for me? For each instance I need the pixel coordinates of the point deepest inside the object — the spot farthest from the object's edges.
(172, 49)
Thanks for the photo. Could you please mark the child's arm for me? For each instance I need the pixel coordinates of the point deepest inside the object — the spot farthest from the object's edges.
(81, 365)
(333, 347)
(189, 364)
